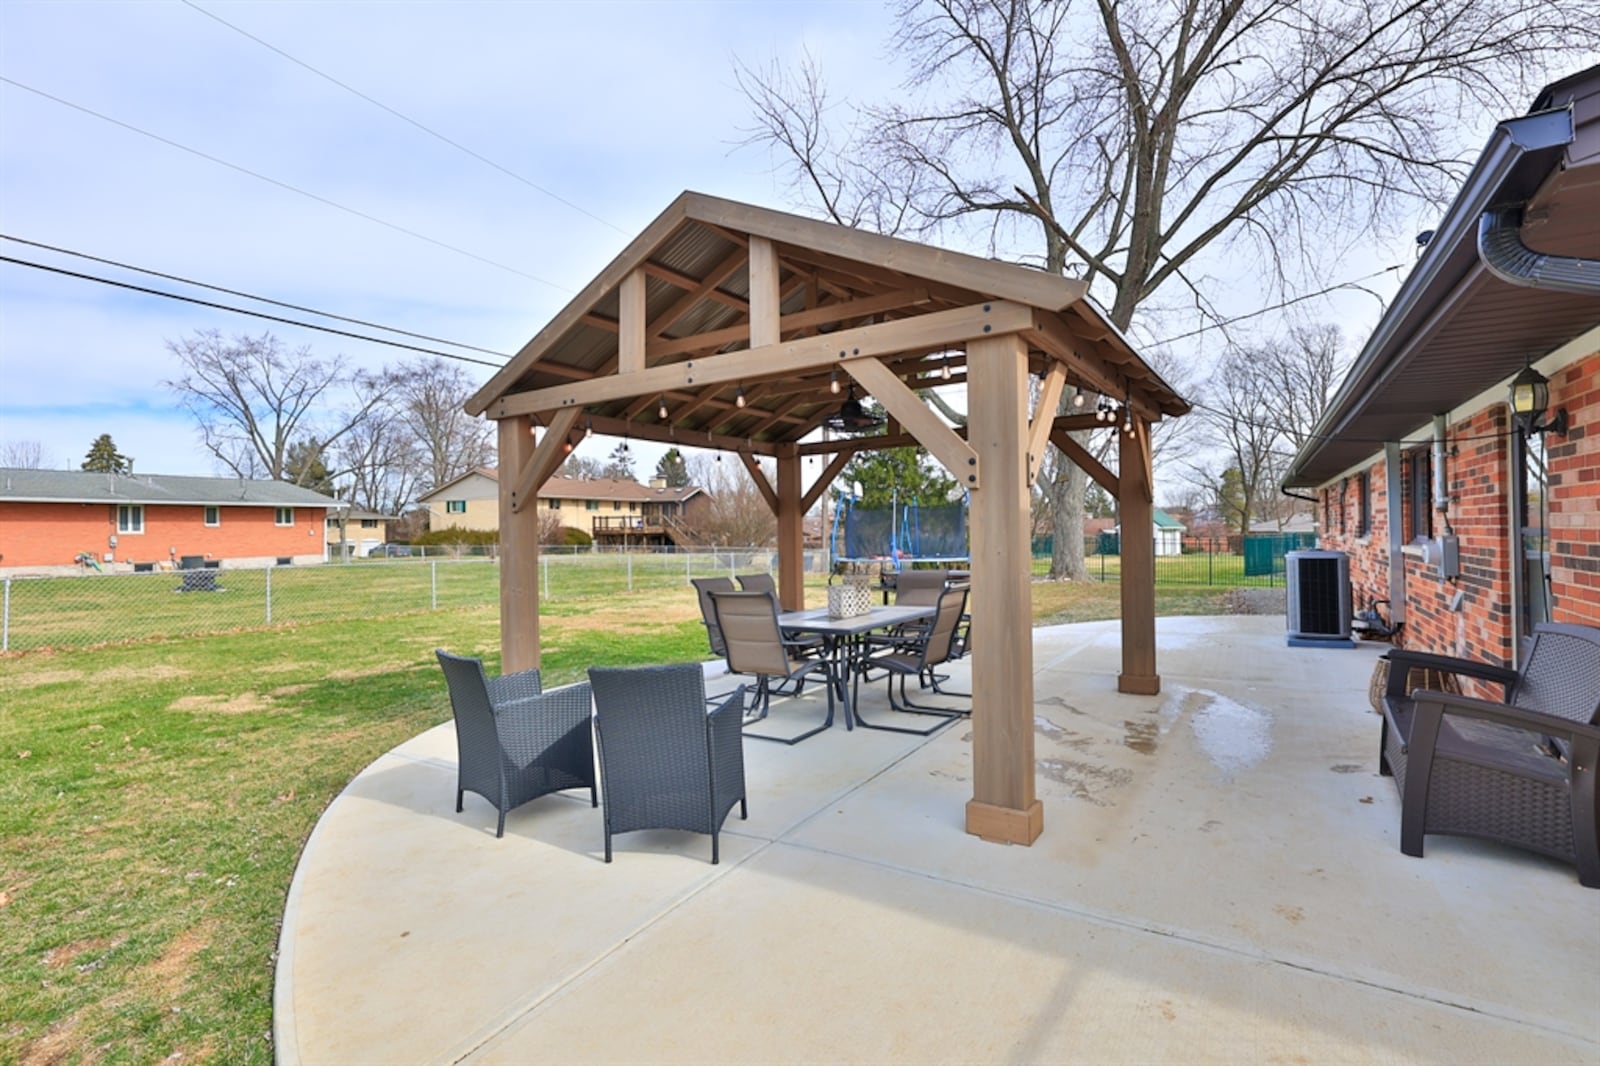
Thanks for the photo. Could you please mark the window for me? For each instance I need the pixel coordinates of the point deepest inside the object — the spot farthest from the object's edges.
(616, 505)
(130, 518)
(632, 506)
(455, 507)
(283, 516)
(591, 505)
(1344, 504)
(1421, 497)
(555, 505)
(369, 523)
(1530, 468)
(1364, 490)
(213, 516)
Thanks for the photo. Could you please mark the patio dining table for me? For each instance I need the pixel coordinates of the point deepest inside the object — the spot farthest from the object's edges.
(846, 639)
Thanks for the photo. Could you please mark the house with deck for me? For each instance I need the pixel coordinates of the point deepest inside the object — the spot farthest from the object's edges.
(613, 511)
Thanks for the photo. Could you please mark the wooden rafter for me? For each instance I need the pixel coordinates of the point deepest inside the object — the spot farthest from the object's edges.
(763, 486)
(1086, 462)
(1044, 414)
(779, 360)
(546, 458)
(909, 409)
(714, 277)
(824, 479)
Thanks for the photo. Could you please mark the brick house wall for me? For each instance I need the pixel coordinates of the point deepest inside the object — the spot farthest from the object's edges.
(52, 534)
(1478, 458)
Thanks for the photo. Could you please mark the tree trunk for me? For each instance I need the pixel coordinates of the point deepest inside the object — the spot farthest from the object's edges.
(1067, 487)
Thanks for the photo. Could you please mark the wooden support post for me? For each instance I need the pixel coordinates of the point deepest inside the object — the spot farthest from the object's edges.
(791, 538)
(1003, 807)
(764, 295)
(1135, 505)
(519, 552)
(630, 323)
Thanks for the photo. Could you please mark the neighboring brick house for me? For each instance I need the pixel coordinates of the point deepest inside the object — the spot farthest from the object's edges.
(48, 518)
(608, 509)
(1473, 522)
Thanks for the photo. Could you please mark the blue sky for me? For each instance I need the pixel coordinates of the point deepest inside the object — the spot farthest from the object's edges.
(614, 107)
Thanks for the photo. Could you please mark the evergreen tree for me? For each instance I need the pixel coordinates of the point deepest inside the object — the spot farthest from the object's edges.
(103, 457)
(304, 467)
(673, 469)
(620, 463)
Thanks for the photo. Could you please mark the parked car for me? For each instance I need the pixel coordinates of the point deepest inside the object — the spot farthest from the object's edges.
(390, 551)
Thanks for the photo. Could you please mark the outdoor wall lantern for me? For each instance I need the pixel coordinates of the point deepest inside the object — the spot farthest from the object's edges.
(1530, 395)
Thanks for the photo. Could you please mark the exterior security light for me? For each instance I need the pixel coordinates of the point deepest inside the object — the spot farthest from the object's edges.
(1530, 395)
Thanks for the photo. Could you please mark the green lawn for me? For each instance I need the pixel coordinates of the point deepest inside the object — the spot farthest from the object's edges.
(155, 796)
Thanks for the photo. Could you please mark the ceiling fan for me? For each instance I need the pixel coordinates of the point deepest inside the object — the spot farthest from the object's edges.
(852, 417)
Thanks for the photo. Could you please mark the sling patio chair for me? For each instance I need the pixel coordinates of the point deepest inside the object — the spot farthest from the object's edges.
(761, 581)
(704, 586)
(916, 657)
(515, 742)
(756, 645)
(666, 762)
(1520, 772)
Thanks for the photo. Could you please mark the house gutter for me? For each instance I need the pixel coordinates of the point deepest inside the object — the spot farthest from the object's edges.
(1502, 251)
(1449, 258)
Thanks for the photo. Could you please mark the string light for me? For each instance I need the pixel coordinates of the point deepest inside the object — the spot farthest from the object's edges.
(661, 411)
(1078, 400)
(833, 382)
(944, 371)
(738, 397)
(588, 430)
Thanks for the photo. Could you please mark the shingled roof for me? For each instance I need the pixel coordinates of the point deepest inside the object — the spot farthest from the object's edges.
(82, 486)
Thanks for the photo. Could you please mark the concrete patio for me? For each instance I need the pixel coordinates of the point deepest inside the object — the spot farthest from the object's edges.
(1219, 880)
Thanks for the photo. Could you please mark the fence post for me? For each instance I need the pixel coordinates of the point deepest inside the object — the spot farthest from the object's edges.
(1211, 562)
(544, 562)
(630, 570)
(269, 595)
(688, 567)
(5, 621)
(433, 585)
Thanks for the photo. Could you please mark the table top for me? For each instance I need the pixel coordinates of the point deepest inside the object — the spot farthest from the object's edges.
(816, 620)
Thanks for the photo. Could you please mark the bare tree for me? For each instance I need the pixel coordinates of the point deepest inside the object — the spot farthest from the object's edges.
(427, 397)
(23, 455)
(1131, 139)
(252, 399)
(379, 464)
(1260, 405)
(737, 515)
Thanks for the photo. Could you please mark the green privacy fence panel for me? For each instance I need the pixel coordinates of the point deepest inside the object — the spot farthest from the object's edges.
(1264, 552)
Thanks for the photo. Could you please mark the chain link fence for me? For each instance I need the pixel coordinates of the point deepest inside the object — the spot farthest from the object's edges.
(92, 608)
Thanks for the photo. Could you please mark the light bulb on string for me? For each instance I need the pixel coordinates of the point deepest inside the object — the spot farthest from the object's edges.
(833, 382)
(661, 411)
(738, 397)
(944, 371)
(1078, 400)
(588, 430)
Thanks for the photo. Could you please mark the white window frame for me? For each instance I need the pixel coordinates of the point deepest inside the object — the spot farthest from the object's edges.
(212, 516)
(130, 518)
(455, 507)
(278, 514)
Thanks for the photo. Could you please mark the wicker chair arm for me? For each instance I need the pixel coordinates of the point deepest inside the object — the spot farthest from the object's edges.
(533, 722)
(514, 686)
(1401, 662)
(1429, 706)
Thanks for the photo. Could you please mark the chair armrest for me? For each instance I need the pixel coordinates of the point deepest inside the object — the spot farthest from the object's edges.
(1401, 661)
(726, 719)
(534, 722)
(1430, 706)
(515, 686)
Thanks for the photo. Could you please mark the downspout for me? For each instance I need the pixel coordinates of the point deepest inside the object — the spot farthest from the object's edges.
(1507, 258)
(1395, 504)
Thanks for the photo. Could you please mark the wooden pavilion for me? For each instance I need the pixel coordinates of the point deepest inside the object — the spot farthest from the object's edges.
(742, 324)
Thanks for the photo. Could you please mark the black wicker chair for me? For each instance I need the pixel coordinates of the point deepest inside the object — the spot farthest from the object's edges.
(666, 762)
(1521, 772)
(515, 742)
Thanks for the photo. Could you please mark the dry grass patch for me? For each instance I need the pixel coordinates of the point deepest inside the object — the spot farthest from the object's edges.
(243, 703)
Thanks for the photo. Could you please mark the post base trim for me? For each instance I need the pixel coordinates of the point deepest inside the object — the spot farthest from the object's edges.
(1005, 825)
(1139, 684)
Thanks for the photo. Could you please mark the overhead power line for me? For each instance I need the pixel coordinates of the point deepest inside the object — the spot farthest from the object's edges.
(406, 118)
(243, 311)
(1279, 306)
(249, 295)
(283, 184)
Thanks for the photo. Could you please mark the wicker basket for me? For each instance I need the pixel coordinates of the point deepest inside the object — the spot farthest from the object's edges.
(1421, 677)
